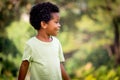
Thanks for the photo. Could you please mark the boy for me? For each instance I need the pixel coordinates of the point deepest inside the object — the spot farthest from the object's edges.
(43, 53)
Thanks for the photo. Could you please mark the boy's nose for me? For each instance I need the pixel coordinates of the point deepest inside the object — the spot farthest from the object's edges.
(59, 25)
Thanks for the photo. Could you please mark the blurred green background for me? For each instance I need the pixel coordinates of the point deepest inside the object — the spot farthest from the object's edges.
(90, 37)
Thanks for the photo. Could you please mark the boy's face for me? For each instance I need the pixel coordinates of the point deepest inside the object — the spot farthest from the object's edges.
(53, 25)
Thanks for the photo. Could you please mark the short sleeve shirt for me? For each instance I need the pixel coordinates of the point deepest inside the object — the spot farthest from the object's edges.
(44, 58)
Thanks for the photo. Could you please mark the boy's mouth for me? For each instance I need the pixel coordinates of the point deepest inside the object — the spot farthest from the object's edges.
(58, 30)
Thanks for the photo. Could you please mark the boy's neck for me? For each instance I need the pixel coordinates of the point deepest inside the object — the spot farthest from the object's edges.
(43, 36)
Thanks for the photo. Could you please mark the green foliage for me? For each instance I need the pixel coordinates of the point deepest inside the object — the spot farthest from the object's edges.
(19, 32)
(87, 26)
(67, 40)
(101, 73)
(8, 68)
(12, 47)
(93, 60)
(97, 60)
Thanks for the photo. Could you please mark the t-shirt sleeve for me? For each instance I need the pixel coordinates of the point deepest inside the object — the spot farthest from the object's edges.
(61, 56)
(27, 53)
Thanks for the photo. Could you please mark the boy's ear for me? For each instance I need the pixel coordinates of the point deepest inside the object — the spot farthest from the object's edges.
(43, 24)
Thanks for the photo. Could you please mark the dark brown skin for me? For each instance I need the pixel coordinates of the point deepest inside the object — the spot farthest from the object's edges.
(64, 74)
(24, 68)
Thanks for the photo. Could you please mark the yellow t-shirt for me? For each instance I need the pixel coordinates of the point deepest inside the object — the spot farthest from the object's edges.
(44, 58)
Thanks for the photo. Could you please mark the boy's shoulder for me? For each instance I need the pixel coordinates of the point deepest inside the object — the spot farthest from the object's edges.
(55, 38)
(31, 40)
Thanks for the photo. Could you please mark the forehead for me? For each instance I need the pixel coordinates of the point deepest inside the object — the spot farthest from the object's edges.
(55, 15)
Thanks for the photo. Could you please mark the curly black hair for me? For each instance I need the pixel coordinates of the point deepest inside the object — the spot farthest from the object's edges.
(42, 12)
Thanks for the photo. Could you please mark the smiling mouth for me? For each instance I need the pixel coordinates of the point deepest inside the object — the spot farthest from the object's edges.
(58, 30)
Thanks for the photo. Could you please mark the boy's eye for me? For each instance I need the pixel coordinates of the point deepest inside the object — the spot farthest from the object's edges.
(57, 22)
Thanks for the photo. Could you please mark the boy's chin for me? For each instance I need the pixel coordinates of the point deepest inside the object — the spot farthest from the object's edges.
(54, 34)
